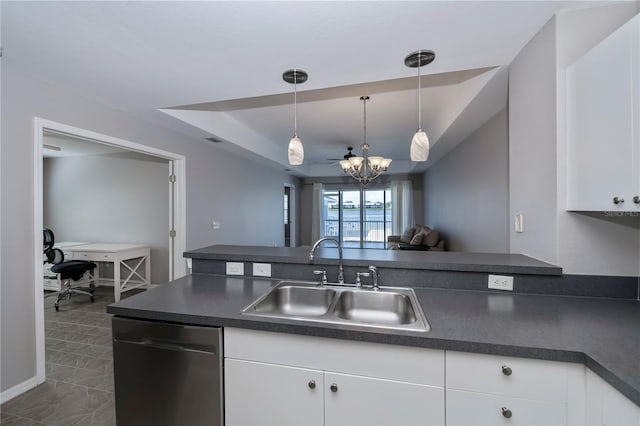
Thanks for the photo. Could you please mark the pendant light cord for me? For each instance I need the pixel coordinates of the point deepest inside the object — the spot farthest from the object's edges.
(419, 93)
(295, 103)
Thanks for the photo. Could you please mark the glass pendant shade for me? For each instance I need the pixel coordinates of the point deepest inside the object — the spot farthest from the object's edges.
(345, 164)
(419, 150)
(420, 146)
(356, 162)
(295, 151)
(375, 162)
(385, 164)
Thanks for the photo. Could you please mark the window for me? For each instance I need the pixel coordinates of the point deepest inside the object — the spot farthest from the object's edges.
(357, 218)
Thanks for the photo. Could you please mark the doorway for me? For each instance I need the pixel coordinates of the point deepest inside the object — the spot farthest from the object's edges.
(289, 215)
(176, 234)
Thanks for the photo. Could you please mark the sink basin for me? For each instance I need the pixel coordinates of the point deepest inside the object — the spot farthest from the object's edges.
(390, 307)
(375, 307)
(296, 300)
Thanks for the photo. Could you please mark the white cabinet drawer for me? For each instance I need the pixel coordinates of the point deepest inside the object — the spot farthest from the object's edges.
(403, 363)
(471, 408)
(520, 377)
(94, 257)
(365, 401)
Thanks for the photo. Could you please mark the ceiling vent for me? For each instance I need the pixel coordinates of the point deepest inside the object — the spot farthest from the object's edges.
(214, 139)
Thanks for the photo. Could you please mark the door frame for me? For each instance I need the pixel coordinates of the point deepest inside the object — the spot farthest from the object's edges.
(293, 217)
(177, 268)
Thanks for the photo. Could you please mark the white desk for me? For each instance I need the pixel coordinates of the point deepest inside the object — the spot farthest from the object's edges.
(120, 255)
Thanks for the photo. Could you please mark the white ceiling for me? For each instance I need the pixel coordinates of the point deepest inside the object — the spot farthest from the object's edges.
(184, 62)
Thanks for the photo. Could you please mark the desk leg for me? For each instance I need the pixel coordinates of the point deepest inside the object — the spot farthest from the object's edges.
(96, 275)
(147, 269)
(116, 279)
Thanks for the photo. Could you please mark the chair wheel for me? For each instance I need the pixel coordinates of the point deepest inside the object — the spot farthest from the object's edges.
(92, 298)
(57, 307)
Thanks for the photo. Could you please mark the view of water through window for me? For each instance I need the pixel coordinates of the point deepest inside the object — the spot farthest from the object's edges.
(358, 219)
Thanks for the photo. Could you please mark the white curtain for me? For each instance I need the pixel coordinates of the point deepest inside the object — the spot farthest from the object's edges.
(402, 206)
(317, 218)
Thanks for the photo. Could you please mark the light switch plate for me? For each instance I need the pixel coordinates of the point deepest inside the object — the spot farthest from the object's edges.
(519, 223)
(261, 269)
(501, 282)
(235, 268)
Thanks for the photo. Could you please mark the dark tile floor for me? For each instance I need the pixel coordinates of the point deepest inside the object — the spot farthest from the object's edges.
(79, 367)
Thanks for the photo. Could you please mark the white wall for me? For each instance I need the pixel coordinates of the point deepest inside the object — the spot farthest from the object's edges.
(244, 196)
(111, 199)
(466, 193)
(582, 243)
(532, 146)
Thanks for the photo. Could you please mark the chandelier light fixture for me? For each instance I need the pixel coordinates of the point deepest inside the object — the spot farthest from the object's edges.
(420, 141)
(364, 169)
(295, 151)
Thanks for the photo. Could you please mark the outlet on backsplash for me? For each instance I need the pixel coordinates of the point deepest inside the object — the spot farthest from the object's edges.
(501, 282)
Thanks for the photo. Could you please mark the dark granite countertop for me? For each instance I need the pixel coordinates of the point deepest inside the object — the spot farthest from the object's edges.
(602, 333)
(431, 260)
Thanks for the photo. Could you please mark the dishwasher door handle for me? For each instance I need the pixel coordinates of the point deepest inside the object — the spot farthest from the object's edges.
(153, 344)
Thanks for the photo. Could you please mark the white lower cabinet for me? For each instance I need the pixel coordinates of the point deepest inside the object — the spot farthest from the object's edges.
(267, 394)
(281, 379)
(607, 406)
(473, 408)
(284, 379)
(497, 390)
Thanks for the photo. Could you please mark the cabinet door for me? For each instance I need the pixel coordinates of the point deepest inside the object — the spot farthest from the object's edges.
(267, 394)
(600, 122)
(471, 408)
(356, 400)
(607, 406)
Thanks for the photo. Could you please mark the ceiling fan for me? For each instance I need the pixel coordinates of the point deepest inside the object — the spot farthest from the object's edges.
(348, 155)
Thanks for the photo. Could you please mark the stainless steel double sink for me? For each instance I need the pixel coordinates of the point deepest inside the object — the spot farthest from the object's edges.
(389, 307)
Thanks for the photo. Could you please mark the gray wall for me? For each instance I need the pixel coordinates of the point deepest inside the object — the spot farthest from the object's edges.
(532, 146)
(466, 193)
(582, 243)
(103, 198)
(346, 182)
(245, 196)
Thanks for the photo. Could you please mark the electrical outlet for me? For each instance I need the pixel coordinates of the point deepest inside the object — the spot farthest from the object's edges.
(261, 269)
(501, 282)
(215, 225)
(235, 268)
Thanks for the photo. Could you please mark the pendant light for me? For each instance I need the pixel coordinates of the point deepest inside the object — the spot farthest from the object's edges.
(420, 142)
(364, 169)
(295, 151)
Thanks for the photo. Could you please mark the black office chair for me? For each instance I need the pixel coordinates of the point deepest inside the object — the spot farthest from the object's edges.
(72, 270)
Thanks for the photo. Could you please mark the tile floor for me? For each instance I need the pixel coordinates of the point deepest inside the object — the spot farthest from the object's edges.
(79, 368)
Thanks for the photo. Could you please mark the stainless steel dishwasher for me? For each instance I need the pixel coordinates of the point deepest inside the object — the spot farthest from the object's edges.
(167, 374)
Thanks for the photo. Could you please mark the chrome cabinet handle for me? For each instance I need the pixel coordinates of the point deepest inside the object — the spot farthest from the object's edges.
(506, 370)
(618, 200)
(334, 387)
(506, 413)
(636, 199)
(312, 384)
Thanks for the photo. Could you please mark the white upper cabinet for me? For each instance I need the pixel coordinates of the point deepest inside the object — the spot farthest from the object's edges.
(603, 125)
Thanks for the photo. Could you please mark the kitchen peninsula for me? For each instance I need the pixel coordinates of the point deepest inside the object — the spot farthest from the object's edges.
(553, 355)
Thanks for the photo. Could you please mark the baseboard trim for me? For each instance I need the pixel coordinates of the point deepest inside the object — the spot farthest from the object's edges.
(18, 389)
